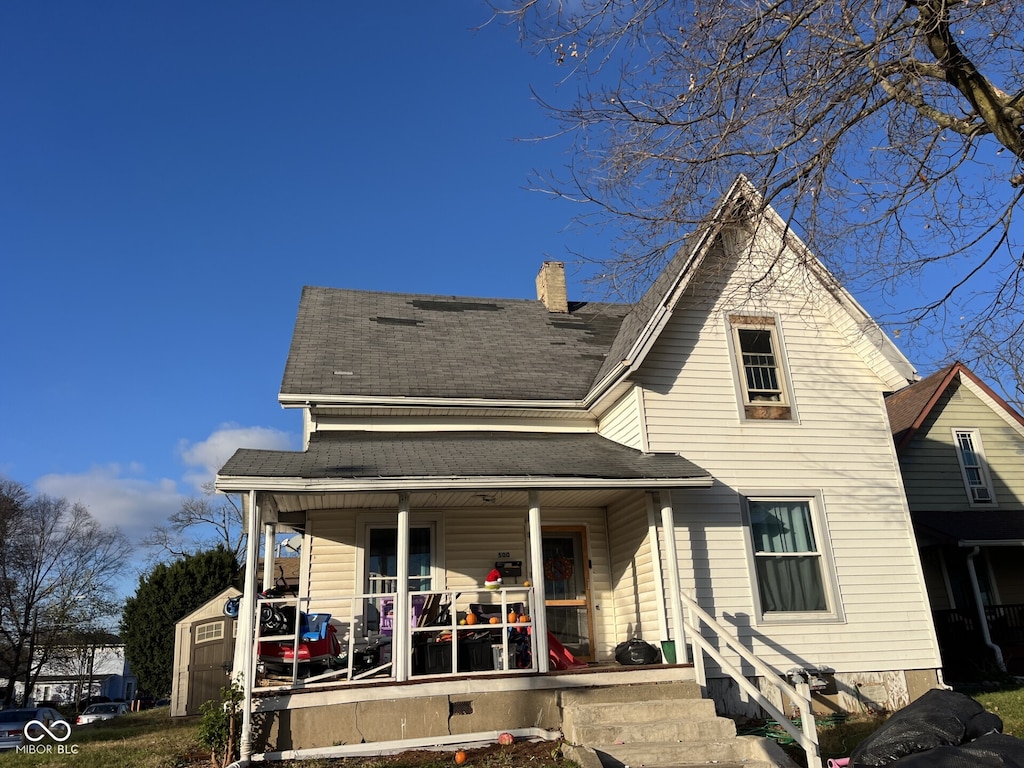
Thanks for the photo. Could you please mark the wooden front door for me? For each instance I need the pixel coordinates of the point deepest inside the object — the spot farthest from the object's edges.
(567, 589)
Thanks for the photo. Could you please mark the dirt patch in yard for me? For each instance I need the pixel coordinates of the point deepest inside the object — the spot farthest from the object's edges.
(522, 754)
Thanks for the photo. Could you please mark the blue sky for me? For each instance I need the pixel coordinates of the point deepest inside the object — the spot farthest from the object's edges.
(172, 174)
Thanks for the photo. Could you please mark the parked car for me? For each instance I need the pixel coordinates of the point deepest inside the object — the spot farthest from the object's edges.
(96, 712)
(88, 701)
(13, 722)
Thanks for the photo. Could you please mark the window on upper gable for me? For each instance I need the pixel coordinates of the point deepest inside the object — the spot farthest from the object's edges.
(973, 468)
(760, 369)
(791, 566)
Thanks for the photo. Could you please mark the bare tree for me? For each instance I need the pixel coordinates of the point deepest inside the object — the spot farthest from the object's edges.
(57, 565)
(891, 128)
(201, 523)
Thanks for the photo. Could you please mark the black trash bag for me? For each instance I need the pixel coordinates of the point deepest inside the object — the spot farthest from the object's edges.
(983, 724)
(635, 652)
(994, 750)
(937, 719)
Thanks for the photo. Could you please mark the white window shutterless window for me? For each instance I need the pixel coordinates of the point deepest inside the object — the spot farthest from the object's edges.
(760, 371)
(791, 564)
(973, 468)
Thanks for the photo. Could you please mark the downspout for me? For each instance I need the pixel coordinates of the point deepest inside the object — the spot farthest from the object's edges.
(982, 619)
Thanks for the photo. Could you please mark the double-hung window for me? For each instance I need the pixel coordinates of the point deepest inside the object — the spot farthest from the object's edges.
(761, 375)
(971, 456)
(790, 562)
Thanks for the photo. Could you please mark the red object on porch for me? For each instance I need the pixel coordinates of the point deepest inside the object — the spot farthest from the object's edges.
(560, 656)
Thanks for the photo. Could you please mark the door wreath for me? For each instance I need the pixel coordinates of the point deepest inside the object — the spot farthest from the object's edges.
(558, 568)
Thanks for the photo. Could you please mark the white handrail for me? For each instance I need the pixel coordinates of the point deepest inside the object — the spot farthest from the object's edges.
(807, 736)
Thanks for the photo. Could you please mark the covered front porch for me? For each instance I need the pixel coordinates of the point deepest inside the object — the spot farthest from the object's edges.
(400, 566)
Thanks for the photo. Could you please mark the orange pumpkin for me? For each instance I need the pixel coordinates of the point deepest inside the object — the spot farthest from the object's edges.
(511, 617)
(460, 757)
(495, 620)
(471, 618)
(524, 619)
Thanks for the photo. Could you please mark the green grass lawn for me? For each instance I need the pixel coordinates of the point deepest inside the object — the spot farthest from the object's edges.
(150, 739)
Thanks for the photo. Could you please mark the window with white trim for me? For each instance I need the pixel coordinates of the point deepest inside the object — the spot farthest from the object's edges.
(971, 455)
(212, 630)
(791, 567)
(757, 353)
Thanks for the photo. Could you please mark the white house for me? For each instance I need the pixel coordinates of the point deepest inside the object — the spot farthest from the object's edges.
(710, 470)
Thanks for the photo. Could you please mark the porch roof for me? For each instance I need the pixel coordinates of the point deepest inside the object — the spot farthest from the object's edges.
(458, 459)
(991, 527)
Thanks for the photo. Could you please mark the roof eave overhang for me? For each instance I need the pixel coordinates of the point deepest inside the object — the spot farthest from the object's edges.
(230, 484)
(340, 401)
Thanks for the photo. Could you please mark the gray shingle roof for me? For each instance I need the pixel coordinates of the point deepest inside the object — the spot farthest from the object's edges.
(362, 455)
(412, 345)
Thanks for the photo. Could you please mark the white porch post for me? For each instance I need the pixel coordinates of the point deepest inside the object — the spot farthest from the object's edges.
(400, 648)
(652, 535)
(540, 619)
(268, 556)
(668, 525)
(247, 626)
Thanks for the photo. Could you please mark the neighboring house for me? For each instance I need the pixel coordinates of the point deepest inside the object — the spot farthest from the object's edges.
(961, 451)
(710, 442)
(204, 649)
(92, 668)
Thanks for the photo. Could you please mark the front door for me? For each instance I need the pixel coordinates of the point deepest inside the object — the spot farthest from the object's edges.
(567, 589)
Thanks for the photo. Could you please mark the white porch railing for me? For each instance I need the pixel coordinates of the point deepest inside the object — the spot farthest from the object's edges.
(800, 695)
(440, 637)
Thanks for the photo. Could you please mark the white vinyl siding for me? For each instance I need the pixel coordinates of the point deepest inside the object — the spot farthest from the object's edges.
(635, 593)
(623, 421)
(332, 543)
(841, 447)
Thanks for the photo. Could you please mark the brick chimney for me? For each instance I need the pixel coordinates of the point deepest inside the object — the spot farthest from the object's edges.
(551, 286)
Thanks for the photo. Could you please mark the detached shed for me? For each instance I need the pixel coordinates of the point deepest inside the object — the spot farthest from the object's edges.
(204, 646)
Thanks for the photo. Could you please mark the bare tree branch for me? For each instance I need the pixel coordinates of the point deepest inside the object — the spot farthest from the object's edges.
(894, 128)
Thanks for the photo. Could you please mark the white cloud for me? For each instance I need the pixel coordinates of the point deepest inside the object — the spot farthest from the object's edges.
(117, 496)
(207, 456)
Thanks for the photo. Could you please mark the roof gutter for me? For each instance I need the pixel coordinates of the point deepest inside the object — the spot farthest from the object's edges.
(307, 401)
(233, 483)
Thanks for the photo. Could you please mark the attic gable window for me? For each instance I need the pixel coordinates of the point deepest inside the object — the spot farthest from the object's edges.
(757, 355)
(971, 455)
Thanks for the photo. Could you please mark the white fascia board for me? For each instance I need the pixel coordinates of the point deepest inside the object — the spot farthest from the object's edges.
(306, 401)
(335, 485)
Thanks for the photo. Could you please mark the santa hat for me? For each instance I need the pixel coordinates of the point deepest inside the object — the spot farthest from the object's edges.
(493, 580)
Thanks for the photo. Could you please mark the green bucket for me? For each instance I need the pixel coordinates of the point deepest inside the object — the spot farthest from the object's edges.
(668, 651)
